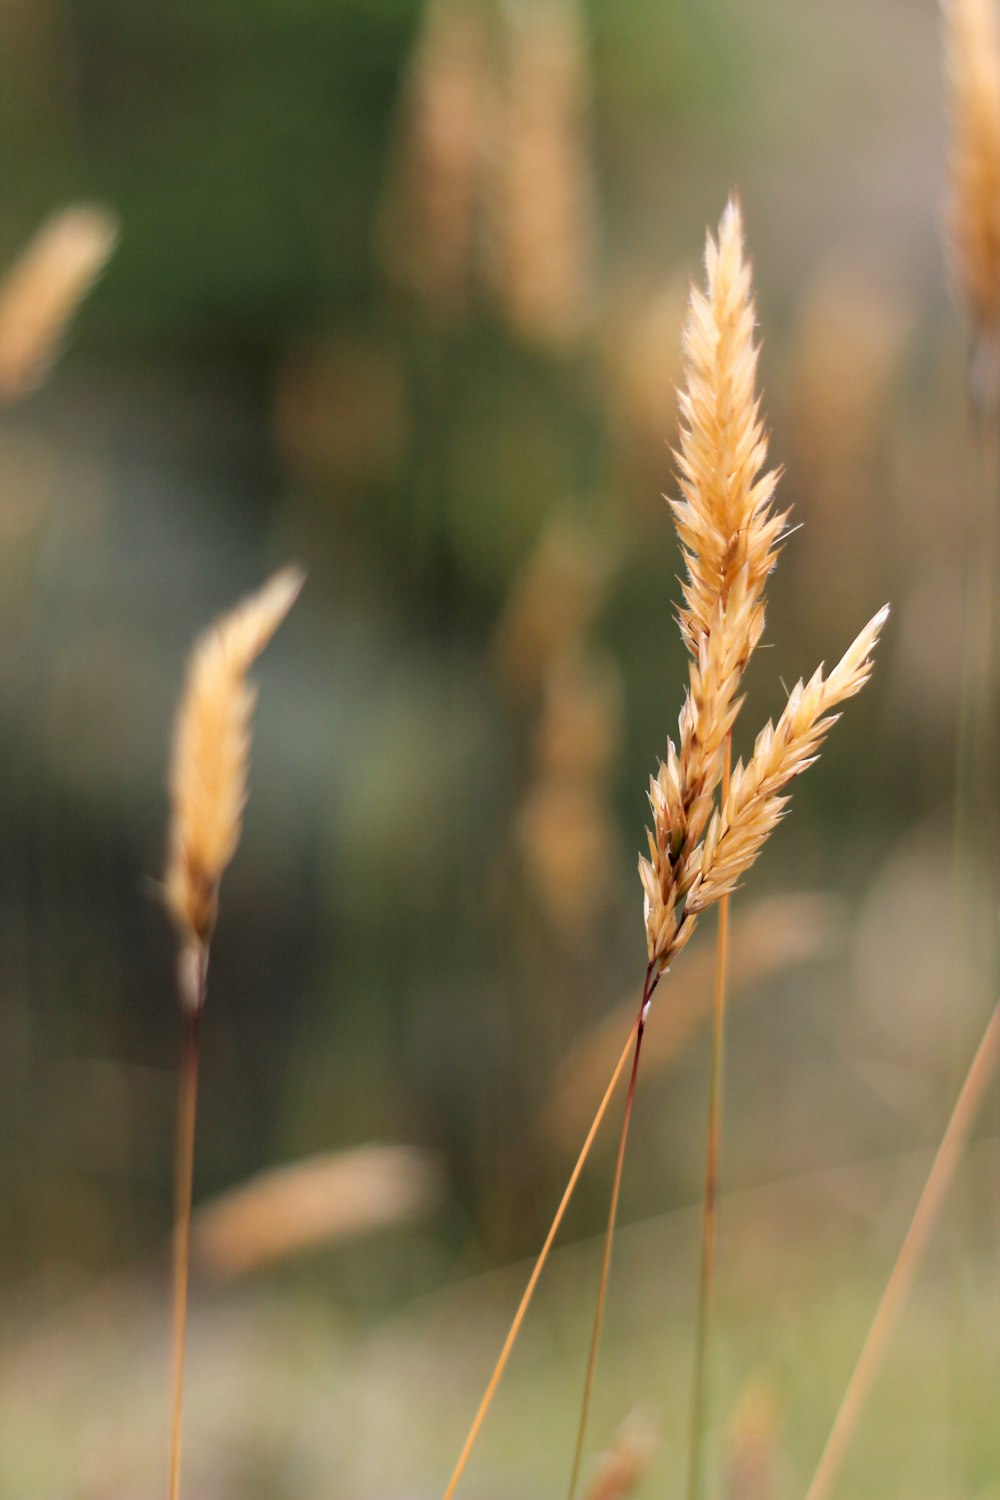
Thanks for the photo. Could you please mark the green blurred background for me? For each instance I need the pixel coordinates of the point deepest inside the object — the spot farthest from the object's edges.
(398, 295)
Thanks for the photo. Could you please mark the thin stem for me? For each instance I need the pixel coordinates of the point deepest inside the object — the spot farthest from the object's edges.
(699, 1378)
(595, 1337)
(529, 1290)
(187, 1104)
(908, 1261)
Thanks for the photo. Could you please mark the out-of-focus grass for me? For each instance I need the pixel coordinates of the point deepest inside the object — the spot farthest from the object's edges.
(292, 1398)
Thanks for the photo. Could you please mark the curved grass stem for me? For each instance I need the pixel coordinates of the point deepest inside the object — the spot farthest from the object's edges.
(529, 1290)
(595, 1337)
(187, 1106)
(901, 1279)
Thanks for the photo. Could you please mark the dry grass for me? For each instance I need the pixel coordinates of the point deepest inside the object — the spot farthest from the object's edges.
(730, 534)
(541, 201)
(709, 827)
(427, 227)
(208, 768)
(769, 937)
(972, 45)
(311, 1204)
(208, 787)
(702, 843)
(43, 291)
(982, 1071)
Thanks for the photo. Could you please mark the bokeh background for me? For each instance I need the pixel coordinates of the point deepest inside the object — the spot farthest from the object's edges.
(398, 295)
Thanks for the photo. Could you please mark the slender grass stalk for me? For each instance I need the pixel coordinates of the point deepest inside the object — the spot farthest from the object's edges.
(648, 987)
(699, 1382)
(208, 792)
(903, 1273)
(539, 1266)
(975, 799)
(187, 1106)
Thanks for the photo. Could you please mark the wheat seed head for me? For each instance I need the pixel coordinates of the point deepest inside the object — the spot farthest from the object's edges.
(208, 768)
(972, 44)
(725, 521)
(730, 535)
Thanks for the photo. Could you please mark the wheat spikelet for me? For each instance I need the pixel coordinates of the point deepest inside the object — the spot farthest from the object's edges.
(43, 291)
(755, 804)
(727, 529)
(730, 535)
(972, 44)
(208, 770)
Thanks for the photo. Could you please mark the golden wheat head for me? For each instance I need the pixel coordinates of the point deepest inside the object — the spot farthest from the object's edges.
(208, 768)
(729, 534)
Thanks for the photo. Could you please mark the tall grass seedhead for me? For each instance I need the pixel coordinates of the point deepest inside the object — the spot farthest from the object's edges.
(208, 790)
(42, 292)
(972, 51)
(208, 768)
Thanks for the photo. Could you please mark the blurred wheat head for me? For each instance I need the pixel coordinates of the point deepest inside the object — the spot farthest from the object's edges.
(490, 179)
(43, 290)
(701, 842)
(427, 226)
(208, 768)
(541, 204)
(972, 51)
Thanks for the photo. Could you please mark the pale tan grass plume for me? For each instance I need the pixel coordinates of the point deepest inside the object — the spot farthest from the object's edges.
(208, 789)
(307, 1205)
(427, 229)
(211, 749)
(972, 48)
(542, 208)
(44, 289)
(730, 535)
(702, 842)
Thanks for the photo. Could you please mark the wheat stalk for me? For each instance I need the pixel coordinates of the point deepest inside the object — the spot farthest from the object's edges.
(702, 843)
(208, 790)
(536, 1272)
